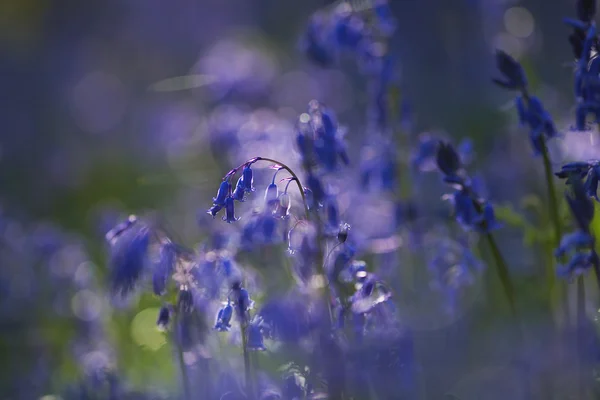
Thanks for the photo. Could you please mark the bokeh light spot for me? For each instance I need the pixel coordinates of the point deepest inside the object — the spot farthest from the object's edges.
(86, 305)
(144, 332)
(519, 22)
(509, 44)
(98, 102)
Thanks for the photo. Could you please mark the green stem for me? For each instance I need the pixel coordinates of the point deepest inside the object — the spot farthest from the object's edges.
(185, 382)
(580, 336)
(247, 366)
(551, 194)
(503, 274)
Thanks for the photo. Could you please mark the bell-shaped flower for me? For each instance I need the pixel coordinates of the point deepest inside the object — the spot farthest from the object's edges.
(229, 211)
(222, 193)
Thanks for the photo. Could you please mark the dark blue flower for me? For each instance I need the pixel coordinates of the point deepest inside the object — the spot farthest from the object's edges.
(578, 169)
(489, 222)
(223, 321)
(574, 241)
(248, 178)
(447, 159)
(214, 210)
(465, 209)
(315, 41)
(266, 226)
(513, 75)
(386, 23)
(577, 265)
(289, 318)
(241, 298)
(240, 190)
(349, 29)
(541, 127)
(222, 194)
(164, 267)
(591, 182)
(316, 187)
(229, 210)
(342, 235)
(128, 258)
(164, 317)
(118, 230)
(185, 300)
(255, 335)
(581, 206)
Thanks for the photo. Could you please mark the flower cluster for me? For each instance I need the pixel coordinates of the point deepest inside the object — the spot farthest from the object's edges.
(530, 110)
(584, 42)
(348, 28)
(471, 211)
(579, 245)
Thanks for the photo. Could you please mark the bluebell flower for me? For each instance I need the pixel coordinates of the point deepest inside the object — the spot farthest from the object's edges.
(241, 299)
(386, 23)
(316, 187)
(577, 265)
(214, 210)
(271, 195)
(185, 300)
(579, 169)
(465, 209)
(349, 29)
(230, 210)
(513, 75)
(578, 245)
(447, 159)
(342, 235)
(266, 228)
(423, 157)
(222, 193)
(240, 190)
(588, 170)
(315, 41)
(164, 317)
(223, 321)
(255, 335)
(283, 205)
(112, 235)
(489, 222)
(128, 259)
(575, 240)
(581, 206)
(247, 178)
(164, 267)
(541, 127)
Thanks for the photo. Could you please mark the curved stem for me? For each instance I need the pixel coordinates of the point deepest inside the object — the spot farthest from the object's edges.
(294, 177)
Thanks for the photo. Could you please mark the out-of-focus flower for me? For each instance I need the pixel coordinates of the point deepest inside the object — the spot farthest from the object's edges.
(513, 75)
(587, 170)
(128, 258)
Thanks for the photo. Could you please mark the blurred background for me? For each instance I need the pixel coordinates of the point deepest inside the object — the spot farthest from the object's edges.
(115, 107)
